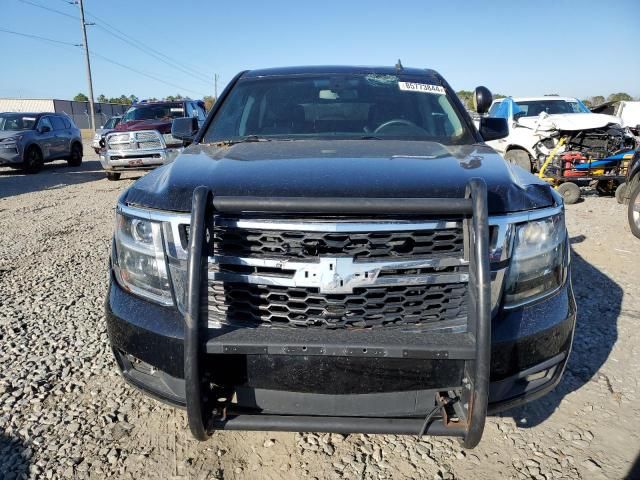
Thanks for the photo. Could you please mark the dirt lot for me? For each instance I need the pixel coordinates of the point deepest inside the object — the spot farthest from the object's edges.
(65, 412)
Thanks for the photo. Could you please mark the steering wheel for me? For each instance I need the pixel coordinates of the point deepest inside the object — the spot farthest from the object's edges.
(395, 121)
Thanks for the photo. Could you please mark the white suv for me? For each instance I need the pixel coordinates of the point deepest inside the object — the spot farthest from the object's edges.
(532, 119)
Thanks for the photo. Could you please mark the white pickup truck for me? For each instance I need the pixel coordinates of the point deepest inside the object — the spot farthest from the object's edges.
(531, 120)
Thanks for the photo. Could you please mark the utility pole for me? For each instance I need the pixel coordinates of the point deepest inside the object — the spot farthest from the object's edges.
(86, 56)
(215, 87)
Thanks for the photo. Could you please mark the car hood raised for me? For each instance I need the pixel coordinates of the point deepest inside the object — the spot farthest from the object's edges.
(568, 121)
(344, 169)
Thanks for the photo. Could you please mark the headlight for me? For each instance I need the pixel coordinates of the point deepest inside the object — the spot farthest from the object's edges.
(139, 260)
(10, 142)
(539, 260)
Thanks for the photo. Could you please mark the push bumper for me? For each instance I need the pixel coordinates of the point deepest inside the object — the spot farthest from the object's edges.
(149, 348)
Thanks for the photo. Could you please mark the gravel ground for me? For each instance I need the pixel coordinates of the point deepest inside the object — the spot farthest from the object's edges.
(66, 413)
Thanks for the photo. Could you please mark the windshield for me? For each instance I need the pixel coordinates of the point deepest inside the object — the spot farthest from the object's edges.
(16, 121)
(112, 122)
(154, 112)
(533, 108)
(349, 106)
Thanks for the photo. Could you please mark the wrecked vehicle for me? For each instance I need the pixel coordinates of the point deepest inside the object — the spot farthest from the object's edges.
(338, 250)
(143, 140)
(532, 120)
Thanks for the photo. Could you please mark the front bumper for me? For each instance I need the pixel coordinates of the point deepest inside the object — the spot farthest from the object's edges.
(530, 347)
(140, 159)
(10, 156)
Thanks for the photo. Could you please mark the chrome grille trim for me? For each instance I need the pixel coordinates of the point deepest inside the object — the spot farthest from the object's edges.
(337, 227)
(340, 275)
(138, 140)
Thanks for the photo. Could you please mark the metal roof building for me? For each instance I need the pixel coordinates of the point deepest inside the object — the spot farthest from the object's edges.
(78, 111)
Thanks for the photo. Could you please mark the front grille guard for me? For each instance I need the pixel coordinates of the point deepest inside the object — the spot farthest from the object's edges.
(471, 405)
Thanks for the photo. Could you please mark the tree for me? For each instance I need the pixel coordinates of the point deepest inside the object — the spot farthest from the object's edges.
(209, 101)
(81, 97)
(466, 97)
(102, 99)
(133, 99)
(597, 100)
(587, 102)
(617, 97)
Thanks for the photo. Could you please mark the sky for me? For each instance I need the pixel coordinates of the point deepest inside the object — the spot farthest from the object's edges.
(573, 48)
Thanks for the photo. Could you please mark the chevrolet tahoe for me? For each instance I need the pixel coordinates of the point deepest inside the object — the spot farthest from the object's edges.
(337, 249)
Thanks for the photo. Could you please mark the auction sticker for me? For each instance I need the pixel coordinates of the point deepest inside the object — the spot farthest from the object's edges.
(422, 87)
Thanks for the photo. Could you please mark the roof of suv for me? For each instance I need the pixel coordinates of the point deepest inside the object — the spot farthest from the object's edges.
(340, 69)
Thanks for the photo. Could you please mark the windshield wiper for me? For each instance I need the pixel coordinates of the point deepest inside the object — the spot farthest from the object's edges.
(247, 139)
(370, 137)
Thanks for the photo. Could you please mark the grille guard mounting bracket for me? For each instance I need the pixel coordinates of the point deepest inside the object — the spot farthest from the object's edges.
(201, 411)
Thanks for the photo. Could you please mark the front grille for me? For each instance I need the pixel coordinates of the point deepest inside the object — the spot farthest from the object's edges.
(251, 304)
(337, 274)
(146, 139)
(232, 241)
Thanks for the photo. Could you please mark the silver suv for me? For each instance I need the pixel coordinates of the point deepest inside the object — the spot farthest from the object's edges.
(28, 140)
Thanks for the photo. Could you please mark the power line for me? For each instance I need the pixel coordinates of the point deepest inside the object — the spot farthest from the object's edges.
(102, 57)
(49, 9)
(142, 73)
(38, 37)
(157, 57)
(123, 36)
(128, 39)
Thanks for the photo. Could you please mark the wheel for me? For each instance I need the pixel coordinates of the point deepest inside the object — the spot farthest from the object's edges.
(520, 158)
(570, 192)
(620, 192)
(33, 161)
(634, 211)
(113, 176)
(75, 158)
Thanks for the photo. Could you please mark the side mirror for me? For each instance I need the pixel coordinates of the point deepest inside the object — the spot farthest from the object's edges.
(44, 129)
(493, 128)
(482, 99)
(184, 129)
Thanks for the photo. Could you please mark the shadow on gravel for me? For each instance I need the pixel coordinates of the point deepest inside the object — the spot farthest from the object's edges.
(14, 458)
(599, 301)
(53, 175)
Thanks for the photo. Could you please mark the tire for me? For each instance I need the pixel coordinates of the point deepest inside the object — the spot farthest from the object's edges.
(75, 157)
(520, 158)
(33, 161)
(633, 213)
(620, 192)
(113, 176)
(570, 192)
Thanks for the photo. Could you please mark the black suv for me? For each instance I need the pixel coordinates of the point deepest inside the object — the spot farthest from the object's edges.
(28, 140)
(338, 250)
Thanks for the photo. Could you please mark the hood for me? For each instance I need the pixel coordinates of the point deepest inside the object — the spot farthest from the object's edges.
(568, 121)
(345, 169)
(163, 126)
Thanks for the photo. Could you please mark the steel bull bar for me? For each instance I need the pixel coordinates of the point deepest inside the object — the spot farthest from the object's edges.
(460, 413)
